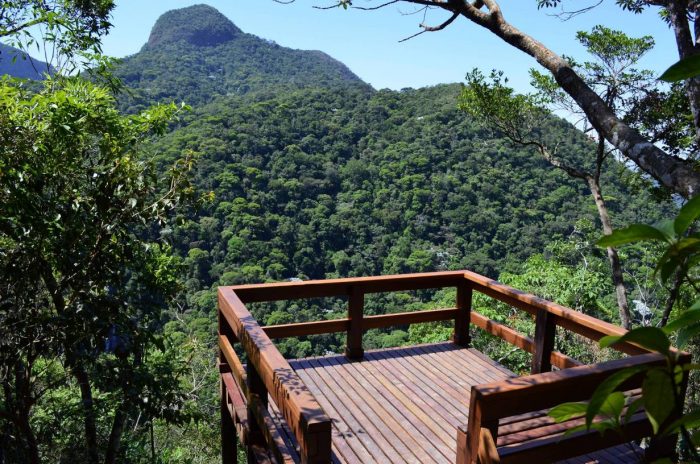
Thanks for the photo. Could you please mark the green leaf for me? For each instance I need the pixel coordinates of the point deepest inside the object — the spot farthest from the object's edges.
(666, 227)
(613, 405)
(686, 333)
(657, 391)
(685, 319)
(688, 244)
(633, 407)
(652, 338)
(566, 411)
(605, 388)
(603, 426)
(683, 69)
(667, 265)
(630, 234)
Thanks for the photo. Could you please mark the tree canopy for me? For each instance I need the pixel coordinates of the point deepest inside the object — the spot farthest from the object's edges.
(675, 173)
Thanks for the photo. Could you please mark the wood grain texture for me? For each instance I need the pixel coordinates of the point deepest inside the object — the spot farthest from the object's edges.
(356, 309)
(303, 414)
(533, 392)
(523, 342)
(545, 330)
(575, 321)
(402, 405)
(409, 404)
(460, 336)
(369, 322)
(339, 287)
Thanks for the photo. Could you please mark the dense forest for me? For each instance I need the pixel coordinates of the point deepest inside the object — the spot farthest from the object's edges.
(339, 179)
(306, 172)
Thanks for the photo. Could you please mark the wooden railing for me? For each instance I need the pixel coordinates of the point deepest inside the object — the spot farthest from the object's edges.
(245, 391)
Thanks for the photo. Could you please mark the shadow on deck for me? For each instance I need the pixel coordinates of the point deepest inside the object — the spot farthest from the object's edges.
(435, 403)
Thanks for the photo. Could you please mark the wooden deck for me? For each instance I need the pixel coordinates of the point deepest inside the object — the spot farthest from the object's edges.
(437, 403)
(403, 405)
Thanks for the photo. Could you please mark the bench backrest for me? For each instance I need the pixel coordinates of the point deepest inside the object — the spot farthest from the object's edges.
(493, 402)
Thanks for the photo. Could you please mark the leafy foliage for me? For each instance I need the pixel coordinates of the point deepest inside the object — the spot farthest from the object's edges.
(662, 387)
(73, 28)
(83, 290)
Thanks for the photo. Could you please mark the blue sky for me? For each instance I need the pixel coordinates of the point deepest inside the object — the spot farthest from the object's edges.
(368, 41)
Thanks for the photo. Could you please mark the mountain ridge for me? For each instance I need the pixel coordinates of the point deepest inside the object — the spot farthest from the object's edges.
(17, 63)
(185, 61)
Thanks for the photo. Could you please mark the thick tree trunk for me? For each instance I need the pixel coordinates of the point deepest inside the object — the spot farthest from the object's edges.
(615, 266)
(672, 172)
(678, 18)
(29, 439)
(17, 409)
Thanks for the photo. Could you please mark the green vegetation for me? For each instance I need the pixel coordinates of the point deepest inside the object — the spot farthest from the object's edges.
(195, 54)
(311, 174)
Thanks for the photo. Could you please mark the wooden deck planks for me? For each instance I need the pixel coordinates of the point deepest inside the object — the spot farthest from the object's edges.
(402, 405)
(380, 412)
(397, 405)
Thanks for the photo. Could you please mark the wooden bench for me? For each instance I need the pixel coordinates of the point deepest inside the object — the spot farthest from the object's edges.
(508, 421)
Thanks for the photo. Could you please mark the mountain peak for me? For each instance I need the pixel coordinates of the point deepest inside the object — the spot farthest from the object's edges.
(200, 25)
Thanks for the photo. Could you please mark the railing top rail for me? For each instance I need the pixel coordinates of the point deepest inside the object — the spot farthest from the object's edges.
(576, 321)
(568, 318)
(518, 395)
(338, 287)
(297, 404)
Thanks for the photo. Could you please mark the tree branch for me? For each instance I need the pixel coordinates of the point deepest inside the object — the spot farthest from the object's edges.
(427, 28)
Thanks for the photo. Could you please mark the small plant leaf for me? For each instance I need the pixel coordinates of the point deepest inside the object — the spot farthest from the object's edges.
(566, 411)
(633, 407)
(652, 338)
(685, 319)
(657, 391)
(630, 234)
(686, 333)
(667, 265)
(690, 421)
(684, 69)
(613, 405)
(604, 390)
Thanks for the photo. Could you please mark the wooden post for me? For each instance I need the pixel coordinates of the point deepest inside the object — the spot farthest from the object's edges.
(545, 329)
(256, 389)
(229, 453)
(464, 308)
(356, 308)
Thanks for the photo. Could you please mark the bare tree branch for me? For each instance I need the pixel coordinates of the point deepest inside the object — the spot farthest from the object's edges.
(427, 28)
(371, 8)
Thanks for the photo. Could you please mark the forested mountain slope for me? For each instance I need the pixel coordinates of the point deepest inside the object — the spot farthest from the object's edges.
(315, 174)
(16, 63)
(195, 54)
(322, 182)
